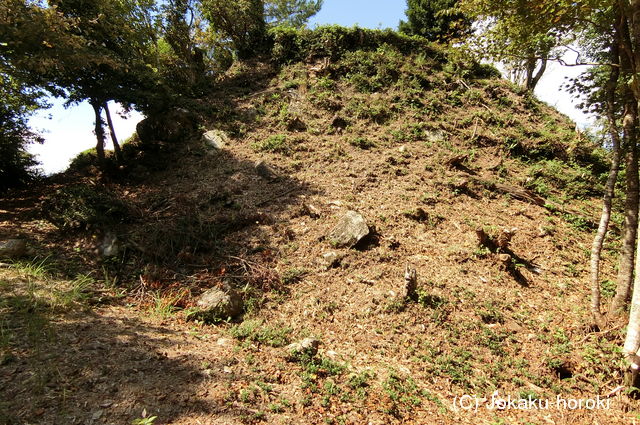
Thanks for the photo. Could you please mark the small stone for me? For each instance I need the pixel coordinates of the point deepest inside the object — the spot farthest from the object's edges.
(505, 261)
(330, 259)
(215, 139)
(96, 415)
(265, 171)
(109, 246)
(224, 342)
(349, 231)
(308, 347)
(218, 304)
(311, 211)
(402, 149)
(13, 248)
(514, 327)
(435, 136)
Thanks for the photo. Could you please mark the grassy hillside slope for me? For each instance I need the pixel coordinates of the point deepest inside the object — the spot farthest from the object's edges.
(430, 150)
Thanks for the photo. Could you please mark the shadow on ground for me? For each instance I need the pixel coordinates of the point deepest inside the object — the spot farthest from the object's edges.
(106, 368)
(192, 214)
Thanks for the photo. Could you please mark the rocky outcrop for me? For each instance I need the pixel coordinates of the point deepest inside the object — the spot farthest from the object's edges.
(109, 245)
(172, 126)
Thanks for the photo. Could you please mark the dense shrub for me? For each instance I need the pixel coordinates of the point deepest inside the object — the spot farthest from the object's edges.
(333, 41)
(337, 43)
(574, 180)
(83, 207)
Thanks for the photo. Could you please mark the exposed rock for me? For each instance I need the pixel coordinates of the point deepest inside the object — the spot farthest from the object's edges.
(435, 136)
(265, 171)
(330, 259)
(307, 348)
(311, 211)
(109, 246)
(13, 248)
(218, 304)
(349, 231)
(215, 139)
(171, 126)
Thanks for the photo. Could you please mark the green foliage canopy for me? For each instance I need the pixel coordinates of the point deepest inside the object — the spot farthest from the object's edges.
(16, 104)
(525, 35)
(435, 20)
(294, 13)
(242, 22)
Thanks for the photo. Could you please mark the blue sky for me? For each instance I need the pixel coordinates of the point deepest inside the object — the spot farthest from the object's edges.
(364, 13)
(70, 131)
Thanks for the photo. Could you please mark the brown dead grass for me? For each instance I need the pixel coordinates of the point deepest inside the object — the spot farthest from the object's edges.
(477, 327)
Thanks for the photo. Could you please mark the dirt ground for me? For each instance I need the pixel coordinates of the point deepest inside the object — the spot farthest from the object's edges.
(118, 348)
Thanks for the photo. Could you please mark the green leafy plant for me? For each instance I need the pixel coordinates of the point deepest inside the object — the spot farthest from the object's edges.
(145, 421)
(254, 330)
(275, 143)
(83, 207)
(362, 143)
(293, 275)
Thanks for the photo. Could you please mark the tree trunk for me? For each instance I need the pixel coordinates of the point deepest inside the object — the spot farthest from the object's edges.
(99, 130)
(533, 78)
(632, 340)
(633, 17)
(629, 128)
(112, 132)
(598, 241)
(625, 273)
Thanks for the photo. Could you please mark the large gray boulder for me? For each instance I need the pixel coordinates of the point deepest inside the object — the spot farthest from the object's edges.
(219, 304)
(350, 230)
(12, 248)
